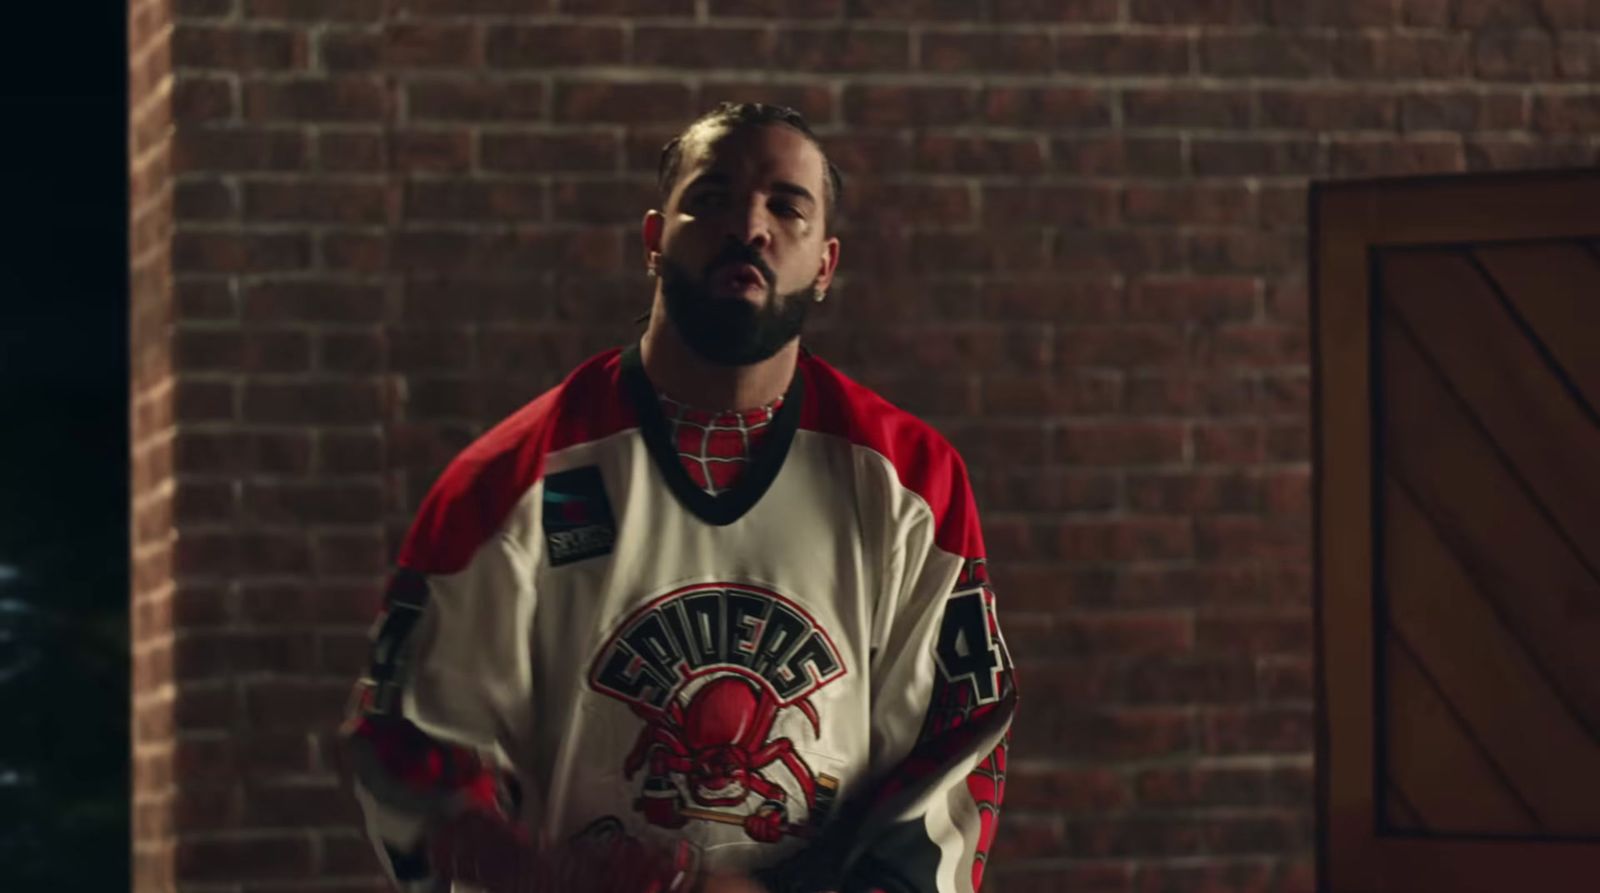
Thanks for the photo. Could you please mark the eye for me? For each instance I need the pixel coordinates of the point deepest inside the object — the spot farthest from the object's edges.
(787, 209)
(707, 199)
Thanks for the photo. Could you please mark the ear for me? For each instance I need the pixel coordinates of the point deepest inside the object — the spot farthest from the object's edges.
(829, 261)
(650, 232)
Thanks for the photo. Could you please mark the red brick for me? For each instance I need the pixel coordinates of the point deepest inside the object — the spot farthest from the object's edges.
(1506, 153)
(984, 51)
(1134, 836)
(1578, 56)
(614, 201)
(349, 554)
(1108, 733)
(239, 252)
(1372, 158)
(651, 8)
(1193, 492)
(902, 106)
(432, 150)
(332, 99)
(237, 49)
(1268, 54)
(278, 704)
(1010, 250)
(843, 49)
(814, 101)
(1087, 790)
(1121, 346)
(1123, 54)
(1188, 679)
(938, 153)
(196, 99)
(1200, 300)
(1044, 204)
(1032, 489)
(1254, 632)
(1567, 114)
(352, 151)
(1070, 11)
(1191, 204)
(465, 200)
(1047, 107)
(1129, 251)
(1126, 539)
(700, 47)
(1237, 877)
(313, 201)
(1122, 443)
(910, 10)
(1513, 55)
(1117, 155)
(621, 102)
(314, 10)
(1328, 109)
(540, 153)
(1229, 538)
(305, 503)
(1093, 299)
(1501, 14)
(1254, 346)
(335, 402)
(821, 9)
(553, 46)
(1394, 56)
(311, 300)
(1081, 877)
(431, 349)
(208, 199)
(224, 655)
(449, 100)
(868, 152)
(1241, 251)
(1198, 12)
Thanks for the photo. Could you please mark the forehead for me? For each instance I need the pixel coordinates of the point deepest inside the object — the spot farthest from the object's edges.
(765, 152)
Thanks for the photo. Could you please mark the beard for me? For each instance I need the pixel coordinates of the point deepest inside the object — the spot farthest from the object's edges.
(731, 331)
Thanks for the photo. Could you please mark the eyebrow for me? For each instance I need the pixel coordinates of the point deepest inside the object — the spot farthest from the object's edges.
(783, 186)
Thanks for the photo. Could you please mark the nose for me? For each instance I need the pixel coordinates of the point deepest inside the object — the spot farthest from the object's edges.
(753, 227)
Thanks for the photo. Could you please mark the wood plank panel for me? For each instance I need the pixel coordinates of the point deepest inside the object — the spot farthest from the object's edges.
(1487, 676)
(1556, 287)
(1402, 815)
(1552, 442)
(1537, 584)
(1433, 758)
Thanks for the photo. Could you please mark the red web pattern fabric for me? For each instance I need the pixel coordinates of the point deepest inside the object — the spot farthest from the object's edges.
(715, 447)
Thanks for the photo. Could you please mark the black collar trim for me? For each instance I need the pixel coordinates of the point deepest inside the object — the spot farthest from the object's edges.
(765, 462)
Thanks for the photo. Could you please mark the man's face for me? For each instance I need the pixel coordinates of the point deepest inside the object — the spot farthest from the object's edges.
(743, 245)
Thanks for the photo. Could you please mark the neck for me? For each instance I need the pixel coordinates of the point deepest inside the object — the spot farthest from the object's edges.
(683, 375)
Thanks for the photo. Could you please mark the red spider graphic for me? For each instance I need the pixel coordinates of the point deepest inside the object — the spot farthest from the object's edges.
(719, 743)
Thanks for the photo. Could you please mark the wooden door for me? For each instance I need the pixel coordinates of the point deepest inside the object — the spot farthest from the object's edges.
(1457, 381)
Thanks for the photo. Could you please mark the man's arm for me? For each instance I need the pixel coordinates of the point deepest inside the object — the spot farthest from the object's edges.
(437, 723)
(943, 697)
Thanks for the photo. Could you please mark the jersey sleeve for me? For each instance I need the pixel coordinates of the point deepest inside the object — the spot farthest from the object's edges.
(443, 716)
(944, 695)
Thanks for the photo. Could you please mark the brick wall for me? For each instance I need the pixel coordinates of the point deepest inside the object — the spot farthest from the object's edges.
(1075, 242)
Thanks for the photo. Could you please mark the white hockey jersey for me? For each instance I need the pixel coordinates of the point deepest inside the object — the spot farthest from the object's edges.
(802, 677)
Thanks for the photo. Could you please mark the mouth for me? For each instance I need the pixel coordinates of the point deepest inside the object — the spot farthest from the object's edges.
(738, 278)
(729, 793)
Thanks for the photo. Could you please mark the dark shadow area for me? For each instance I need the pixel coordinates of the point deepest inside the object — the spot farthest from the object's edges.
(64, 764)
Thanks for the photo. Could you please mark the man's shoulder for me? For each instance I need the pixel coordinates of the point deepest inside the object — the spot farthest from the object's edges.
(477, 490)
(922, 457)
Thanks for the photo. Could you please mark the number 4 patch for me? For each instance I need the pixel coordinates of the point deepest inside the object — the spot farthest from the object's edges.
(967, 650)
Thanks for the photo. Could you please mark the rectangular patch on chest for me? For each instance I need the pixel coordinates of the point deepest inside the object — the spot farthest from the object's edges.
(578, 523)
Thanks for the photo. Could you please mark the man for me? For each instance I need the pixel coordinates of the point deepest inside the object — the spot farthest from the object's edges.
(706, 613)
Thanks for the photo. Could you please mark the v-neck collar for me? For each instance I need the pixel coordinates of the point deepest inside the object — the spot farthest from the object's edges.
(766, 457)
